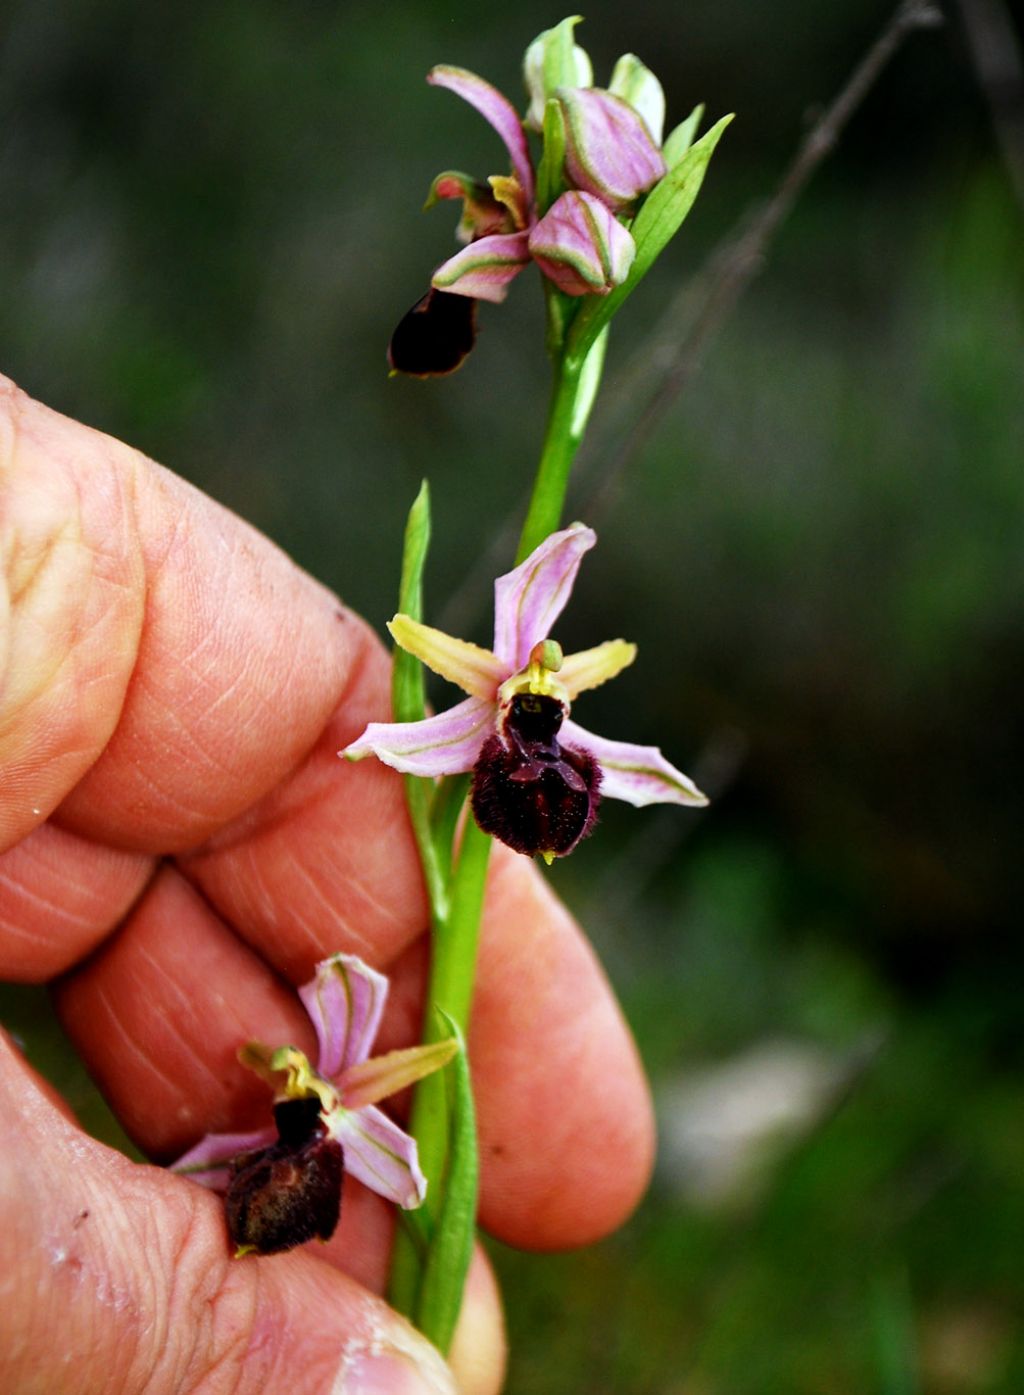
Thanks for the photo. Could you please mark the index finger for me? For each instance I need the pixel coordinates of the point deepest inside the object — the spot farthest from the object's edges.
(163, 665)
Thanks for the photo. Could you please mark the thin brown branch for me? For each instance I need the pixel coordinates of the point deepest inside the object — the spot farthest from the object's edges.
(996, 53)
(733, 265)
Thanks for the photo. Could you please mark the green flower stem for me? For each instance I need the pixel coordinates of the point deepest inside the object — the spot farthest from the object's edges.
(560, 445)
(456, 900)
(576, 381)
(452, 968)
(450, 992)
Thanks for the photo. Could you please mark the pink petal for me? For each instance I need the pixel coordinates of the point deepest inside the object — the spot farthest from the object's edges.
(447, 744)
(380, 1154)
(638, 774)
(208, 1163)
(345, 1000)
(581, 246)
(495, 109)
(609, 151)
(484, 269)
(528, 600)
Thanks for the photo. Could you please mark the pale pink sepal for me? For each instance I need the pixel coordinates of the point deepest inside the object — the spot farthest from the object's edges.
(380, 1154)
(581, 246)
(528, 600)
(609, 151)
(475, 670)
(638, 774)
(443, 745)
(484, 269)
(208, 1163)
(495, 109)
(345, 1001)
(589, 668)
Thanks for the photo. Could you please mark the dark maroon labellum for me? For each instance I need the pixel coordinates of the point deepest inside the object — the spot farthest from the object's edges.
(435, 336)
(528, 790)
(281, 1196)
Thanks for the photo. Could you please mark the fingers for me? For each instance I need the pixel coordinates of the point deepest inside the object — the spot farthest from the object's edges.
(59, 896)
(129, 1265)
(72, 599)
(206, 685)
(149, 638)
(565, 1121)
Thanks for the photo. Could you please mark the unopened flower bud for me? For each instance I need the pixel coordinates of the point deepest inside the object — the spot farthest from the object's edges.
(634, 82)
(581, 246)
(536, 69)
(609, 150)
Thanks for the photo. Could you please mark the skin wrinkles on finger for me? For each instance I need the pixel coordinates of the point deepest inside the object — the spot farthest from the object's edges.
(329, 851)
(183, 762)
(71, 559)
(175, 557)
(59, 897)
(135, 1264)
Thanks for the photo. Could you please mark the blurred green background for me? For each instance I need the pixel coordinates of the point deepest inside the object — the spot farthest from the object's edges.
(209, 223)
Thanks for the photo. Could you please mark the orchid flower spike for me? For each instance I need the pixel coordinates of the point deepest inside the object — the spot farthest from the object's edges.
(282, 1184)
(608, 155)
(538, 777)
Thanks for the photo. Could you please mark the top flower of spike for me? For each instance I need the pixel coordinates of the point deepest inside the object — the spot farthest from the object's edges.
(537, 776)
(602, 152)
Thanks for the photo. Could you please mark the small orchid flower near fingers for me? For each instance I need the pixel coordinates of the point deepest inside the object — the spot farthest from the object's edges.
(538, 778)
(282, 1184)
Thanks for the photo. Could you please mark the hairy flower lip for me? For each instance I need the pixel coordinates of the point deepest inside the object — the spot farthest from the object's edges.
(433, 338)
(527, 602)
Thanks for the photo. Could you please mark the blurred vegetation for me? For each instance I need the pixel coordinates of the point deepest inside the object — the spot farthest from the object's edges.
(210, 222)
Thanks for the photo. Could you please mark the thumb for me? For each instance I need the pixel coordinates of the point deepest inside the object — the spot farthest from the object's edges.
(116, 1277)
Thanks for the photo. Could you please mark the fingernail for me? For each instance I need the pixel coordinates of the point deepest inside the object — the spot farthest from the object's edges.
(389, 1372)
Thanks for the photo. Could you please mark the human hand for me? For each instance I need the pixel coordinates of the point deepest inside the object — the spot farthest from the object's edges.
(179, 844)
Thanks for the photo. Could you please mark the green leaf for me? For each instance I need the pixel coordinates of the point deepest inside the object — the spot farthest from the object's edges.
(590, 381)
(447, 805)
(658, 221)
(409, 698)
(451, 1247)
(679, 140)
(408, 693)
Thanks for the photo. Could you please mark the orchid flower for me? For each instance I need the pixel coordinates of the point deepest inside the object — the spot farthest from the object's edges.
(283, 1183)
(538, 777)
(611, 158)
